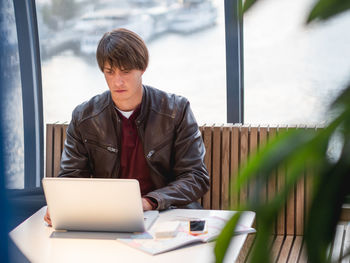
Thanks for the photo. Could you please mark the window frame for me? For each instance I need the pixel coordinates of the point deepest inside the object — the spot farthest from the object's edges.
(234, 61)
(30, 68)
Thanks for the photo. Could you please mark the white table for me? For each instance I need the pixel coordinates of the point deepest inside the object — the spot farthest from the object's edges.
(33, 238)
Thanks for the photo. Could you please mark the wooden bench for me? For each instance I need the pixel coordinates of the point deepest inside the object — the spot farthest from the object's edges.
(227, 148)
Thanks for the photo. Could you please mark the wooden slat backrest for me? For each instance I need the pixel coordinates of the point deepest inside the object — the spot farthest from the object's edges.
(281, 172)
(243, 157)
(253, 147)
(272, 184)
(300, 204)
(207, 138)
(58, 136)
(234, 164)
(296, 250)
(276, 247)
(291, 209)
(55, 137)
(49, 150)
(227, 149)
(216, 171)
(235, 143)
(225, 170)
(262, 141)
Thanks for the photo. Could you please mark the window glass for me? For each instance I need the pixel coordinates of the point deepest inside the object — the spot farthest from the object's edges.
(292, 71)
(186, 41)
(12, 119)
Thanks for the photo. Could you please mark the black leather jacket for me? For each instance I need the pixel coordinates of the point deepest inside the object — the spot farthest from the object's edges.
(172, 145)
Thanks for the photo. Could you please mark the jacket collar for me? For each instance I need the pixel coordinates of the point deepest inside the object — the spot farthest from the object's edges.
(144, 105)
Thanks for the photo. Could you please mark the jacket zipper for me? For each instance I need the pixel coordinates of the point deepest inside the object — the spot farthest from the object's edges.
(116, 167)
(106, 147)
(155, 149)
(148, 156)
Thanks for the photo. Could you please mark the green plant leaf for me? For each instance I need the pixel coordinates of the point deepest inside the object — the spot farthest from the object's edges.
(343, 99)
(248, 4)
(326, 207)
(225, 237)
(324, 9)
(261, 250)
(297, 150)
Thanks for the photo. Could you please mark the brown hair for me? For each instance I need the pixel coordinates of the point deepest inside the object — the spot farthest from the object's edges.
(122, 49)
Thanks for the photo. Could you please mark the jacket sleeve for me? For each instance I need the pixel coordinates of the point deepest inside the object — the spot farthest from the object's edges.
(191, 176)
(74, 161)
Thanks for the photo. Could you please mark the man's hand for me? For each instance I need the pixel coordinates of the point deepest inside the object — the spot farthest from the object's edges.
(47, 218)
(146, 205)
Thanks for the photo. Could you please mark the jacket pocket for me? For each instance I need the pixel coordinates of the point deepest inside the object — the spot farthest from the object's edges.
(108, 148)
(102, 157)
(159, 147)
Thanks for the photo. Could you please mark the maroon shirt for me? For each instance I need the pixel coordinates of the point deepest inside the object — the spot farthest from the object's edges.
(133, 163)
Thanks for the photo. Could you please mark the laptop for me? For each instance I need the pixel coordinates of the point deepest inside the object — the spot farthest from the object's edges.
(90, 204)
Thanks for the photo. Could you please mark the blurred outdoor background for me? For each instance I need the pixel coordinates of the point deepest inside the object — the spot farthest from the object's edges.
(291, 72)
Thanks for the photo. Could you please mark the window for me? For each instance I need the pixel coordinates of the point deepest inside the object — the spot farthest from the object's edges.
(292, 72)
(186, 41)
(12, 119)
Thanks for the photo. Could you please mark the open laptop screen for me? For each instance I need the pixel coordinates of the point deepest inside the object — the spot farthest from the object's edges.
(90, 204)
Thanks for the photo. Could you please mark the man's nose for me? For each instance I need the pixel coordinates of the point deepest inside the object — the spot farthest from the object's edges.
(118, 80)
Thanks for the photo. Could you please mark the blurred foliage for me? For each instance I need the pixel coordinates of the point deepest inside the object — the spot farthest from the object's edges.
(322, 9)
(300, 150)
(248, 4)
(325, 9)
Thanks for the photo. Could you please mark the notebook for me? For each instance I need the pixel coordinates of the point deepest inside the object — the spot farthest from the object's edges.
(90, 204)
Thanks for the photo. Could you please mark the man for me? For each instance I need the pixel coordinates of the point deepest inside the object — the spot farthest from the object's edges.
(136, 131)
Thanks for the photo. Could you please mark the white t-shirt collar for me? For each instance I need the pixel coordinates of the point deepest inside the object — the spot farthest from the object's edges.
(126, 114)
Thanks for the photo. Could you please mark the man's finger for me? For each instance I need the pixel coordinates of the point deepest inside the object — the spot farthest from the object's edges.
(47, 219)
(146, 205)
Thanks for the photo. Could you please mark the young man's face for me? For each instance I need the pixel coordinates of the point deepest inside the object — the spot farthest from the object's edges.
(125, 86)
